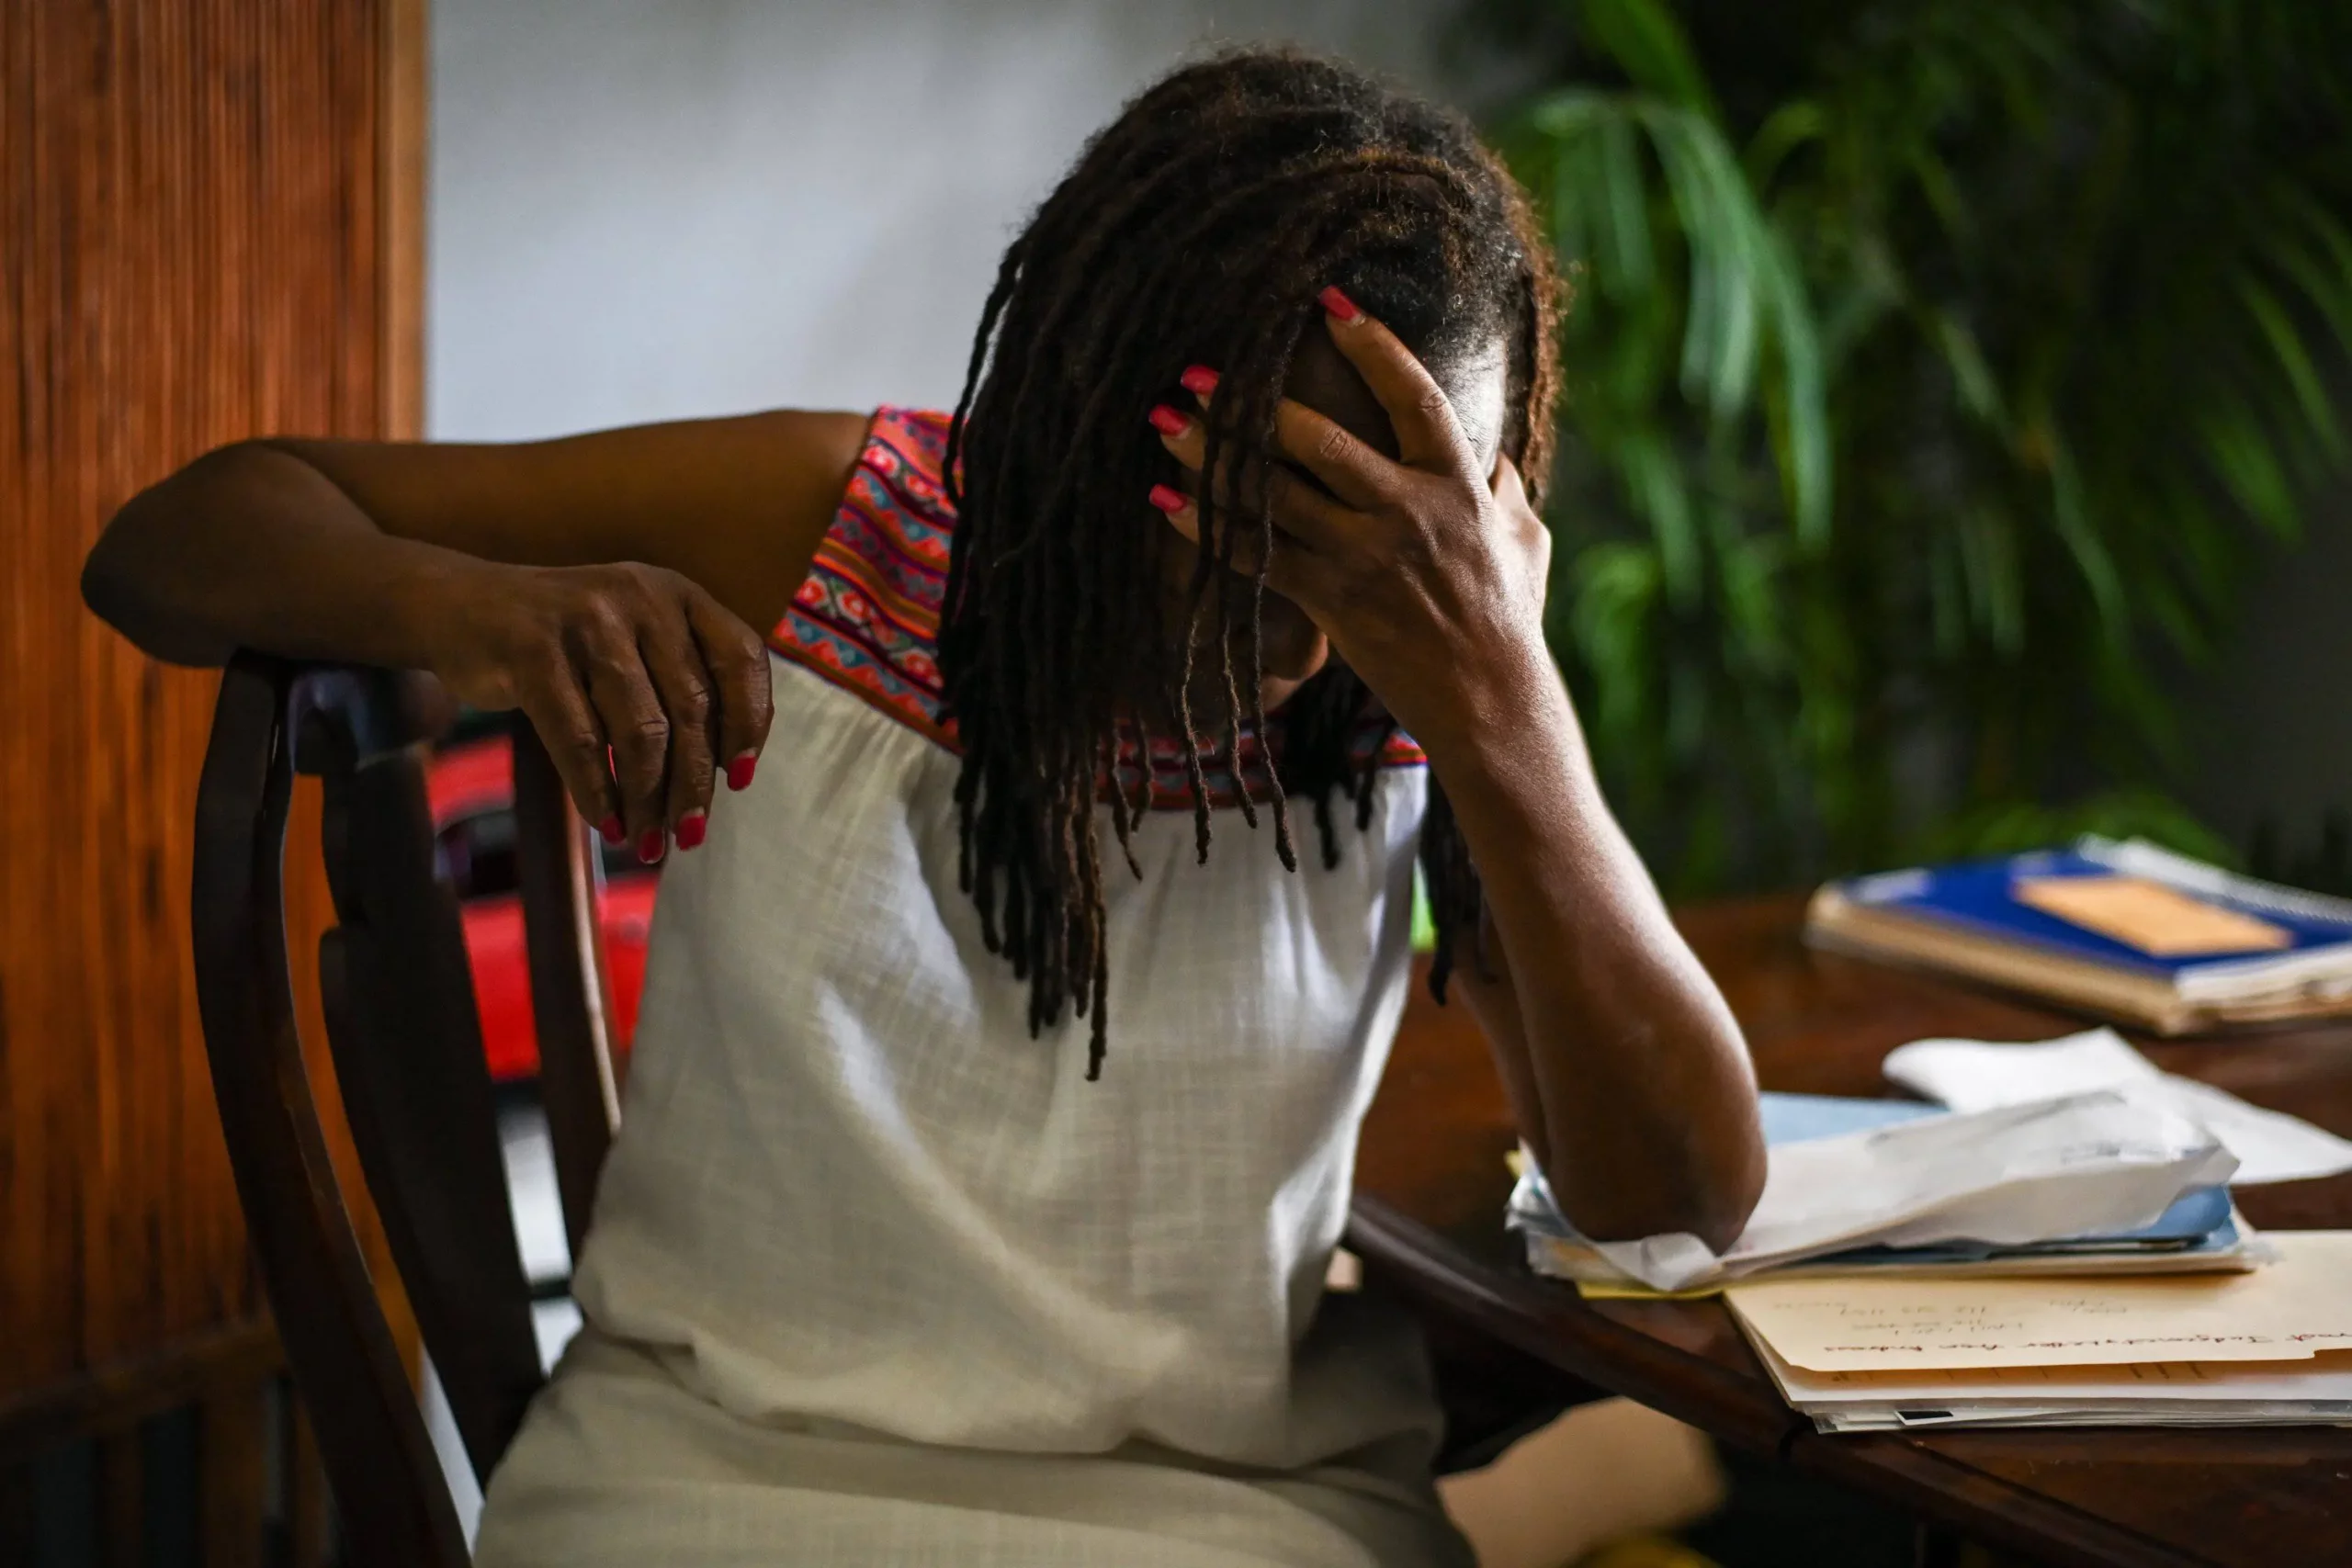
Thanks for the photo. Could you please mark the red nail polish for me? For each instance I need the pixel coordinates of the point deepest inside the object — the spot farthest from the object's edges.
(1167, 420)
(1199, 381)
(649, 845)
(1339, 305)
(1168, 498)
(611, 830)
(738, 772)
(691, 829)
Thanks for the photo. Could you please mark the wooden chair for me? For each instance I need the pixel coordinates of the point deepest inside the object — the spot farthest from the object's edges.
(406, 1043)
(407, 1048)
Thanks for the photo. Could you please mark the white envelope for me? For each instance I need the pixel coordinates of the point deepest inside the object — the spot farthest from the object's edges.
(1975, 1075)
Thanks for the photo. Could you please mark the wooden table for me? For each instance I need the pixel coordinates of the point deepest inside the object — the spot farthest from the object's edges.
(1431, 1185)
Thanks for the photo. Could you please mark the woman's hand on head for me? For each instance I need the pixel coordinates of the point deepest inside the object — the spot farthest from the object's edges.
(644, 689)
(1428, 575)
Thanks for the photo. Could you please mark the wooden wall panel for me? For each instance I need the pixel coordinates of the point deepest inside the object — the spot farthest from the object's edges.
(203, 222)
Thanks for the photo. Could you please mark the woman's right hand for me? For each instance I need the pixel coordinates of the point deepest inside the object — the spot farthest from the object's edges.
(630, 662)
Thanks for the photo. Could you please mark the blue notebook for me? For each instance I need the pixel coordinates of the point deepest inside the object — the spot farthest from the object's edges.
(1978, 895)
(1968, 919)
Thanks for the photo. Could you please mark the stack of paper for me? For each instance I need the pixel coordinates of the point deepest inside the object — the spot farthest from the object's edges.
(2125, 930)
(2077, 1183)
(2269, 1347)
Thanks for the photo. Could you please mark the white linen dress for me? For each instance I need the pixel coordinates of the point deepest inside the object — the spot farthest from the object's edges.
(878, 1278)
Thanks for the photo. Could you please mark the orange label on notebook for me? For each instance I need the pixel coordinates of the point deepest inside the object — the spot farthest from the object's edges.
(2161, 921)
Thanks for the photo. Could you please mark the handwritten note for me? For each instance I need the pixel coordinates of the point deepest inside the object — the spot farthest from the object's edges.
(2294, 1308)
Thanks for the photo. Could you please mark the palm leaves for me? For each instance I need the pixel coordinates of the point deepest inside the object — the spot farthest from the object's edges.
(1937, 366)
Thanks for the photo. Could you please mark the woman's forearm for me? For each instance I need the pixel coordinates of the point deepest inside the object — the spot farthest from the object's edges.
(1641, 1091)
(1427, 571)
(252, 547)
(517, 576)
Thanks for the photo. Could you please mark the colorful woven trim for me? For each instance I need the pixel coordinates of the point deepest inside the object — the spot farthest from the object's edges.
(1171, 791)
(868, 616)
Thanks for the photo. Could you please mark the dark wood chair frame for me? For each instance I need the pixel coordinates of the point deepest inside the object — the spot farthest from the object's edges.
(406, 1044)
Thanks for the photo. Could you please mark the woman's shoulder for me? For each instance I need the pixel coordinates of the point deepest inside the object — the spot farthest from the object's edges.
(866, 616)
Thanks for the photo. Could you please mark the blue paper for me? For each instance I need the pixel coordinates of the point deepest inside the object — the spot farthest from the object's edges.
(1800, 1118)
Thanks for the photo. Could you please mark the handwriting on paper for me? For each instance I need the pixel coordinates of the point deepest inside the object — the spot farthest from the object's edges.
(2299, 1305)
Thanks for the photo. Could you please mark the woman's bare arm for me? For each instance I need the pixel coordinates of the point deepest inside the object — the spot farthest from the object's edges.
(607, 584)
(1626, 1071)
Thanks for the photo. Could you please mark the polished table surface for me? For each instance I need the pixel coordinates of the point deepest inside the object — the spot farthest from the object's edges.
(1432, 1183)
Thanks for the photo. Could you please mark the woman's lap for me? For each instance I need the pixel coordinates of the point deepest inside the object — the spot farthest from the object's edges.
(618, 1463)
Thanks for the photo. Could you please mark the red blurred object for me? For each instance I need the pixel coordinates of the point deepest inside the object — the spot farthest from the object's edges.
(471, 789)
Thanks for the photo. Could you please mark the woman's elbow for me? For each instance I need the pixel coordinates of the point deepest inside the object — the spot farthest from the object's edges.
(118, 588)
(110, 585)
(109, 582)
(1711, 1202)
(127, 577)
(1718, 1223)
(1720, 1219)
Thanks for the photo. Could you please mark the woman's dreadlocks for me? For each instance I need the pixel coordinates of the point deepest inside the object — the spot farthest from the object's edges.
(1196, 229)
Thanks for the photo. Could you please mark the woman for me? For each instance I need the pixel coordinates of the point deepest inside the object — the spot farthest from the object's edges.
(989, 1128)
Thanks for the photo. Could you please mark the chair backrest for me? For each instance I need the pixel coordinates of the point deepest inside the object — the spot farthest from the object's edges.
(406, 1042)
(562, 880)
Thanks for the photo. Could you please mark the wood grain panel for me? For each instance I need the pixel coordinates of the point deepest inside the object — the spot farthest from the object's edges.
(197, 203)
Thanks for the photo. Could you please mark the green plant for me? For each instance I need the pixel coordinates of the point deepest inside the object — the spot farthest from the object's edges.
(1937, 367)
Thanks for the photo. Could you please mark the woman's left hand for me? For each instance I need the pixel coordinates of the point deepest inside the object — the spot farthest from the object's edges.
(1427, 579)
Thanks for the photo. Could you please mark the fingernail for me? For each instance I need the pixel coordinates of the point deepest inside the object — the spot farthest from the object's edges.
(1199, 381)
(691, 829)
(1340, 305)
(611, 830)
(1168, 498)
(649, 845)
(1167, 420)
(738, 772)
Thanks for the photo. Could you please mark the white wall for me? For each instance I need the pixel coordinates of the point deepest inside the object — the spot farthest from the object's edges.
(647, 211)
